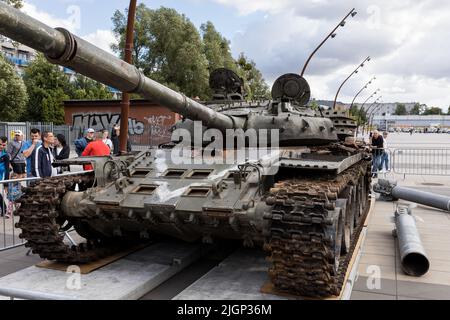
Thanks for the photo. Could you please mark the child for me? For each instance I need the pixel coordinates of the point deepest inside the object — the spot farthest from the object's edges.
(14, 193)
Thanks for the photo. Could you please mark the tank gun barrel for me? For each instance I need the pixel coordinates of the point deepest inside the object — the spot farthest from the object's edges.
(63, 48)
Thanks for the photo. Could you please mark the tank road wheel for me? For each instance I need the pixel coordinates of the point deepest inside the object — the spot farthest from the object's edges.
(41, 221)
(346, 208)
(339, 234)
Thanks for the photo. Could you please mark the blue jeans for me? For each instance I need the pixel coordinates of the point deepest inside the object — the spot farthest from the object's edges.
(384, 161)
(376, 163)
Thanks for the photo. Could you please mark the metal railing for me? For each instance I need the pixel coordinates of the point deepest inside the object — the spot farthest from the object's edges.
(430, 162)
(7, 129)
(10, 193)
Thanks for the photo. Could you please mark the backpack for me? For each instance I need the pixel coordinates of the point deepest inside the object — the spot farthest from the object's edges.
(80, 145)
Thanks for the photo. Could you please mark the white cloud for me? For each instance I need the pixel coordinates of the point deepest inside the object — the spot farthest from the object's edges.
(102, 39)
(245, 7)
(71, 22)
(407, 40)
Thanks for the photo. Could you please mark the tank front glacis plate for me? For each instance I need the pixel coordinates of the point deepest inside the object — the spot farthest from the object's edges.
(159, 188)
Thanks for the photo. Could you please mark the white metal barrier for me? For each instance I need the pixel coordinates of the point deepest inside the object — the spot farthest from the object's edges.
(430, 162)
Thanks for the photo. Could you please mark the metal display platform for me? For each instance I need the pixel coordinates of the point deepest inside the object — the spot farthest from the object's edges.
(127, 279)
(241, 276)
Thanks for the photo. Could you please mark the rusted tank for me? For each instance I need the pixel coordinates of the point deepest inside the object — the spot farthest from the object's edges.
(281, 179)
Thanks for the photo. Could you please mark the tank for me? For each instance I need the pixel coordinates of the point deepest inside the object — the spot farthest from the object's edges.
(301, 194)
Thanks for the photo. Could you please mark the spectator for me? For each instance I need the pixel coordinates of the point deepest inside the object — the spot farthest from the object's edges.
(107, 141)
(29, 146)
(4, 172)
(82, 143)
(43, 158)
(61, 152)
(4, 159)
(16, 156)
(95, 149)
(116, 141)
(384, 162)
(377, 150)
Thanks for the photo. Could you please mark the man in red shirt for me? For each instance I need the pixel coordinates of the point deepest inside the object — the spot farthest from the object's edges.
(96, 148)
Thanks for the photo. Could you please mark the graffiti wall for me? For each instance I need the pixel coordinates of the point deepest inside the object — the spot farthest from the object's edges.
(148, 122)
(100, 121)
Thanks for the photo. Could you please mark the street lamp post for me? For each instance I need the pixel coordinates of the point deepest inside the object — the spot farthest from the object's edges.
(372, 115)
(362, 89)
(351, 74)
(331, 35)
(367, 100)
(373, 104)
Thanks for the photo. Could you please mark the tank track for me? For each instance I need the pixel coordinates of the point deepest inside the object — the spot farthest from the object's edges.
(305, 236)
(41, 222)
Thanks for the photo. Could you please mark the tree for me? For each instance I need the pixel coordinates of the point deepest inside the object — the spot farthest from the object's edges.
(416, 110)
(255, 85)
(13, 93)
(88, 89)
(448, 112)
(141, 34)
(433, 111)
(358, 114)
(47, 88)
(400, 110)
(15, 3)
(216, 48)
(168, 48)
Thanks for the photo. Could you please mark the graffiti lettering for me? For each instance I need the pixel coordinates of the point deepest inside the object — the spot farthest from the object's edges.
(100, 121)
(157, 127)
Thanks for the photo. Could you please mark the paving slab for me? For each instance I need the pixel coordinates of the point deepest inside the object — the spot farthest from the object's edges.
(376, 285)
(127, 279)
(423, 290)
(362, 295)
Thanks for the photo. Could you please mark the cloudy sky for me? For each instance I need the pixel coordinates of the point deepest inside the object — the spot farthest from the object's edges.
(407, 39)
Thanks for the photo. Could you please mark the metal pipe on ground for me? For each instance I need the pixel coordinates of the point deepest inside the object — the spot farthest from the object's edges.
(412, 253)
(390, 190)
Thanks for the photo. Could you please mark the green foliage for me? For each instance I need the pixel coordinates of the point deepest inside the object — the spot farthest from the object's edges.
(169, 49)
(47, 88)
(13, 93)
(216, 49)
(400, 110)
(448, 111)
(15, 3)
(417, 110)
(314, 105)
(255, 85)
(359, 115)
(88, 89)
(433, 111)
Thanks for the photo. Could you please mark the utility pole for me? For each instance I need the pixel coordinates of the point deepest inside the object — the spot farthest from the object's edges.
(125, 95)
